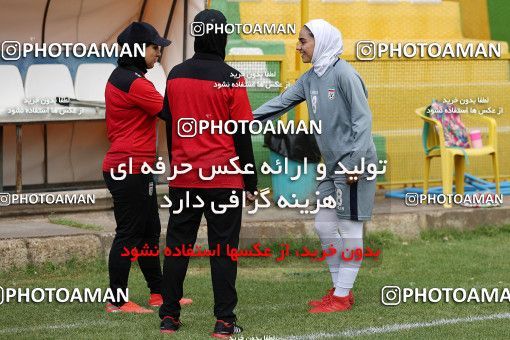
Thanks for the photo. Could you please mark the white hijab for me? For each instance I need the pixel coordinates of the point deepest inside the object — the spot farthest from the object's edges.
(328, 44)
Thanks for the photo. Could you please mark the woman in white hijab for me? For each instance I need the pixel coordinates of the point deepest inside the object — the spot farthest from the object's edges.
(334, 93)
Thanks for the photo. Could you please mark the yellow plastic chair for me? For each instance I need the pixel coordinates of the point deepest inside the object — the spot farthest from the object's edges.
(454, 158)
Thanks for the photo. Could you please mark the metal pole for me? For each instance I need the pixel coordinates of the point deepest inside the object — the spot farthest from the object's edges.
(167, 28)
(184, 33)
(1, 158)
(45, 130)
(142, 10)
(19, 157)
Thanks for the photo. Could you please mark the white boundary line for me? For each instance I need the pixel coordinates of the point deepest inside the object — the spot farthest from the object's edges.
(399, 327)
(58, 326)
(348, 333)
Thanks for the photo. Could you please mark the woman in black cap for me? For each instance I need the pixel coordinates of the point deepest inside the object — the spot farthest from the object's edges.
(132, 107)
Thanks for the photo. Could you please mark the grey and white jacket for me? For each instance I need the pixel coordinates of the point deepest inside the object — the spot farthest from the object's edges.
(339, 99)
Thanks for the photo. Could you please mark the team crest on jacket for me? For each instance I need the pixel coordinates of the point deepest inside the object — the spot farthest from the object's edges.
(331, 94)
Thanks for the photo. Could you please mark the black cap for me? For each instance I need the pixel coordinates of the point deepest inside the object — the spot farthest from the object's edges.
(212, 16)
(211, 42)
(141, 32)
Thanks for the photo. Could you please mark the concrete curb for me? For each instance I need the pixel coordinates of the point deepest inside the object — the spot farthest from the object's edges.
(103, 201)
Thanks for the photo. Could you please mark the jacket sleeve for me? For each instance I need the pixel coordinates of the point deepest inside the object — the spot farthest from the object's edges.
(240, 110)
(144, 95)
(355, 95)
(277, 106)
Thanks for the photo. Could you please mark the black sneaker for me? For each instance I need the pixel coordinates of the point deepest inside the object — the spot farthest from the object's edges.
(169, 325)
(225, 330)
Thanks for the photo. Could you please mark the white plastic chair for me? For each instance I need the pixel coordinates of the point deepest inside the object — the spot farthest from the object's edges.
(11, 88)
(91, 80)
(48, 81)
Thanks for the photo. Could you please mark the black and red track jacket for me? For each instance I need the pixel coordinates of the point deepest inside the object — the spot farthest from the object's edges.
(192, 94)
(132, 106)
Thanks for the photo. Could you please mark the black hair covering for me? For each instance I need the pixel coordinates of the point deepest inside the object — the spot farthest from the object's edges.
(212, 42)
(139, 33)
(138, 61)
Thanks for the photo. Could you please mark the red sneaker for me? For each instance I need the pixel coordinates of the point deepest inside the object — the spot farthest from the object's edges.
(315, 303)
(128, 307)
(329, 292)
(156, 300)
(185, 301)
(332, 304)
